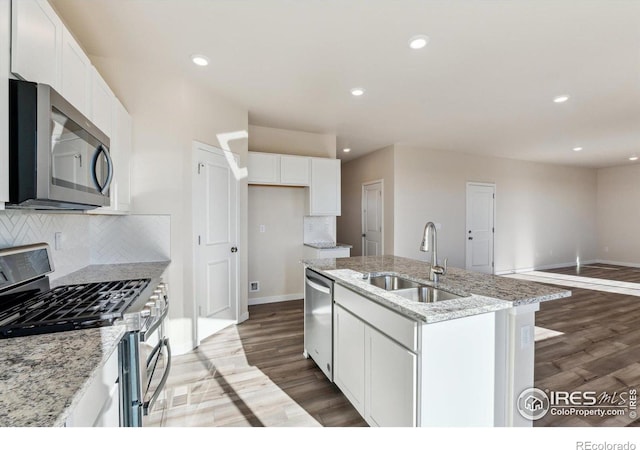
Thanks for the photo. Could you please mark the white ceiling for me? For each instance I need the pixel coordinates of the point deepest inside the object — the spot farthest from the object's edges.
(483, 85)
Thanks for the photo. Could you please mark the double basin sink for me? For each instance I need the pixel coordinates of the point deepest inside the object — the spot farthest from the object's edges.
(409, 289)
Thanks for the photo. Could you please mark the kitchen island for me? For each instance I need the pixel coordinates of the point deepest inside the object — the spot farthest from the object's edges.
(458, 362)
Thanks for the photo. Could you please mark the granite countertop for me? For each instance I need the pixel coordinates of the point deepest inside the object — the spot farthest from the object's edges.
(481, 292)
(43, 377)
(113, 272)
(327, 245)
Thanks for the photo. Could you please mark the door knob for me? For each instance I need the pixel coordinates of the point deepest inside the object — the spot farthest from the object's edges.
(470, 238)
(234, 249)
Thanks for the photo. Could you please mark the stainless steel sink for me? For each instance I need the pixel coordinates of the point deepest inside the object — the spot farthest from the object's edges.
(426, 294)
(392, 282)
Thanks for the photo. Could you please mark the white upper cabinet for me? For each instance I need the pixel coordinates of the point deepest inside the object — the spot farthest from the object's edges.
(75, 73)
(295, 170)
(101, 103)
(5, 51)
(121, 146)
(264, 168)
(36, 42)
(120, 150)
(324, 190)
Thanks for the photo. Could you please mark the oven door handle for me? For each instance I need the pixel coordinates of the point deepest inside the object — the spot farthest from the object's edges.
(148, 405)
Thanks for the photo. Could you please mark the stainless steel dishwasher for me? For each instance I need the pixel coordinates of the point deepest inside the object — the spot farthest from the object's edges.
(318, 321)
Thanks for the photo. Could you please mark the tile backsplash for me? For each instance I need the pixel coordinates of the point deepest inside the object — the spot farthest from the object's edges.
(89, 239)
(319, 229)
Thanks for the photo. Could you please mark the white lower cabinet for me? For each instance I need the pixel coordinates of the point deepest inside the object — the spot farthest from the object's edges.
(99, 405)
(348, 356)
(391, 382)
(376, 374)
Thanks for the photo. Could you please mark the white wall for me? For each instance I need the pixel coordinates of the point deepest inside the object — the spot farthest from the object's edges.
(619, 214)
(274, 256)
(291, 142)
(169, 113)
(378, 165)
(545, 214)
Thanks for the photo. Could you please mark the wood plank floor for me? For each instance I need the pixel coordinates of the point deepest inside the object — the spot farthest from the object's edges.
(600, 348)
(253, 374)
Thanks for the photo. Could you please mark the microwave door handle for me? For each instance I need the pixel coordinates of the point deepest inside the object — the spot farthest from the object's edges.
(148, 405)
(101, 149)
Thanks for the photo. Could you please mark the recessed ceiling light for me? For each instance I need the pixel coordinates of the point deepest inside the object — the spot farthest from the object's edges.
(633, 158)
(560, 98)
(346, 150)
(200, 60)
(577, 149)
(418, 42)
(357, 92)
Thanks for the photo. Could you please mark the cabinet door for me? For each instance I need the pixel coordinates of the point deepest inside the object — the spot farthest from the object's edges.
(391, 382)
(101, 103)
(264, 168)
(121, 146)
(324, 191)
(294, 170)
(75, 73)
(348, 356)
(36, 42)
(5, 39)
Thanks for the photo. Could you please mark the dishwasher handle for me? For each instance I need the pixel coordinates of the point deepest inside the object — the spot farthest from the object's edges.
(317, 287)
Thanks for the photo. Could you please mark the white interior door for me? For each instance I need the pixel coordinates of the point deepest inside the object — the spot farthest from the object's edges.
(216, 232)
(480, 227)
(372, 219)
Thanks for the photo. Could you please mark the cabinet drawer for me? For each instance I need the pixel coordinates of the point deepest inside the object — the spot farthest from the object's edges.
(394, 325)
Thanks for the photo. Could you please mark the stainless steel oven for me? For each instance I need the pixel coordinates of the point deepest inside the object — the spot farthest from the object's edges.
(145, 356)
(58, 159)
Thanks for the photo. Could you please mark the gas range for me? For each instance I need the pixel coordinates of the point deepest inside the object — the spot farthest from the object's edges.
(65, 308)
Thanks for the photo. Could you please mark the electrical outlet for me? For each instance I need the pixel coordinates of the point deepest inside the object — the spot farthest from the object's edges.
(526, 336)
(57, 239)
(254, 286)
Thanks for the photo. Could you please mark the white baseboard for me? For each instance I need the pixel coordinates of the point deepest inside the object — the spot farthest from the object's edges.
(244, 316)
(616, 263)
(275, 299)
(547, 267)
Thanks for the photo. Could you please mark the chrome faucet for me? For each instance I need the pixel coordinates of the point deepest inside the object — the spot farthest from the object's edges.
(435, 271)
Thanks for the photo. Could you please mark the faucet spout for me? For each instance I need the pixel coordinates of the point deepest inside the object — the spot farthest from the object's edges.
(430, 243)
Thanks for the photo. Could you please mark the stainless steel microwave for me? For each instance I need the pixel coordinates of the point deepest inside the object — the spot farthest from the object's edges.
(58, 159)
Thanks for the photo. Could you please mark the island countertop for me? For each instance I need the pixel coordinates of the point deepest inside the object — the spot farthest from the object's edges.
(480, 292)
